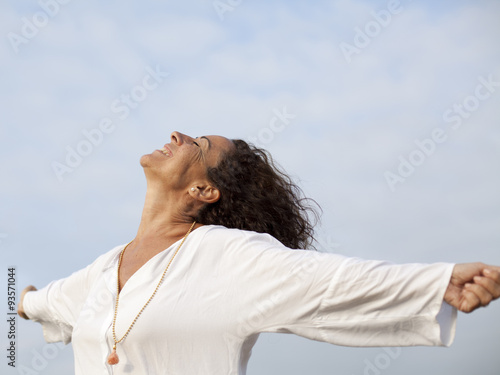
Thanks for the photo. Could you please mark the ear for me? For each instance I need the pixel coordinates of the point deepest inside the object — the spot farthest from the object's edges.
(206, 194)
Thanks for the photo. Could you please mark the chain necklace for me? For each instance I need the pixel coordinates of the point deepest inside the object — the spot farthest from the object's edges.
(113, 357)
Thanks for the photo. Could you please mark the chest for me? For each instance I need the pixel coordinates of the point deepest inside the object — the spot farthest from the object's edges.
(127, 269)
(134, 259)
(185, 319)
(187, 306)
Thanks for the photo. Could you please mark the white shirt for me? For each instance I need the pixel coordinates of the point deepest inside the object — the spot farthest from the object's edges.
(223, 288)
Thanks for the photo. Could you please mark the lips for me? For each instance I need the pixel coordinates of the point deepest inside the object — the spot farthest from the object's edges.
(166, 151)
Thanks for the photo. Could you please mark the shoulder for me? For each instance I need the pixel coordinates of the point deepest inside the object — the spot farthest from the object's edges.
(252, 255)
(230, 242)
(106, 260)
(229, 237)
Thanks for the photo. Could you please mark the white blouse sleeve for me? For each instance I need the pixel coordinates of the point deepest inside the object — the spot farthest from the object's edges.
(341, 300)
(58, 305)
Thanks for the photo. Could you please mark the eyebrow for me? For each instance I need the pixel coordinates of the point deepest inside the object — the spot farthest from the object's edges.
(208, 140)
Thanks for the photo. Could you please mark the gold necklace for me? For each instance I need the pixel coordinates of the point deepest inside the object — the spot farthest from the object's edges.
(113, 357)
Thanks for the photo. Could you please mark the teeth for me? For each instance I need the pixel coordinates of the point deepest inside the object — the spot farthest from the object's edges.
(165, 151)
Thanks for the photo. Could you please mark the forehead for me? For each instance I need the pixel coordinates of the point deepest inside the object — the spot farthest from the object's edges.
(217, 145)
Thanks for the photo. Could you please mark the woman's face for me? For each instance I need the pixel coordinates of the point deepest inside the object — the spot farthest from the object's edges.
(183, 162)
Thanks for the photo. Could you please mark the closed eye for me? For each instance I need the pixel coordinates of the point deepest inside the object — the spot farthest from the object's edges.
(200, 152)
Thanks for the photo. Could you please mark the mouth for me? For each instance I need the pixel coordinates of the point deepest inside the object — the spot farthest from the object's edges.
(166, 151)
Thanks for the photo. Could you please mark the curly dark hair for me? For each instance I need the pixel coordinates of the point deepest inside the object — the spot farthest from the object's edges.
(257, 195)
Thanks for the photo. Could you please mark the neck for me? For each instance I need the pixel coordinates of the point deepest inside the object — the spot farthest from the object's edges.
(163, 217)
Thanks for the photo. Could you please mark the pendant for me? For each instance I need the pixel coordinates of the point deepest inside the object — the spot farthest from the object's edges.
(113, 357)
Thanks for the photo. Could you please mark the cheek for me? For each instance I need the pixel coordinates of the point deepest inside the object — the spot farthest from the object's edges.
(178, 170)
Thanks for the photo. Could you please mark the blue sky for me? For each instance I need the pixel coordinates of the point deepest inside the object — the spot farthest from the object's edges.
(352, 122)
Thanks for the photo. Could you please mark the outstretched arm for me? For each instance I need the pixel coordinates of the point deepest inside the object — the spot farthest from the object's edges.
(473, 285)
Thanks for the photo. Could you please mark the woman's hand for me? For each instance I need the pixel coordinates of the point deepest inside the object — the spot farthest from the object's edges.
(20, 308)
(473, 285)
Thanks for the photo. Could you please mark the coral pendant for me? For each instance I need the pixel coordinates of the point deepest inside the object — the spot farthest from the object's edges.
(113, 357)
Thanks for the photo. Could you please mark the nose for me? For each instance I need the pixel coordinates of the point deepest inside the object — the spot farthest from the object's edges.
(179, 138)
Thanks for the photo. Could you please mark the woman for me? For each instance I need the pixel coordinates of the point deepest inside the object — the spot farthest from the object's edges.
(212, 266)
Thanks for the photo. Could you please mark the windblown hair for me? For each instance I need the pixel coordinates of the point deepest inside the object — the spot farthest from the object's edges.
(257, 195)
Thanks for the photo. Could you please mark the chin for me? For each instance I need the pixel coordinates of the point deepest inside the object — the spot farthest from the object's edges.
(145, 160)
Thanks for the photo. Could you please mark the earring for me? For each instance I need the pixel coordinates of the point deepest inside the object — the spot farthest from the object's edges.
(193, 189)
